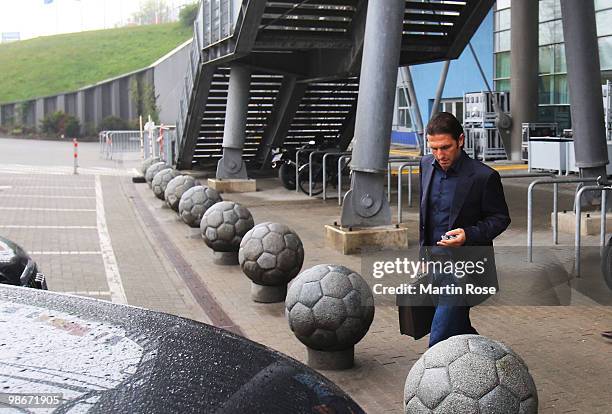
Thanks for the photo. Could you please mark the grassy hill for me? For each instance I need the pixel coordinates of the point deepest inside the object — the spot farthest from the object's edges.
(61, 63)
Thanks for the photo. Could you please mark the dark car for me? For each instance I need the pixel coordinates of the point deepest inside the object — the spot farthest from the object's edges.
(76, 354)
(17, 267)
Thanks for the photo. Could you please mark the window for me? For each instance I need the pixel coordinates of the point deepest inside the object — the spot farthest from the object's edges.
(560, 64)
(550, 10)
(502, 20)
(545, 90)
(502, 65)
(502, 41)
(561, 90)
(502, 85)
(604, 22)
(503, 4)
(551, 32)
(602, 4)
(605, 52)
(547, 60)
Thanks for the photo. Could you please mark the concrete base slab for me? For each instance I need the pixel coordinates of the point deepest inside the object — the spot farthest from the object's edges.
(348, 240)
(589, 226)
(225, 258)
(268, 294)
(331, 360)
(232, 186)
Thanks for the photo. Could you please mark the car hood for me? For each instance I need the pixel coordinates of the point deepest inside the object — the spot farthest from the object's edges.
(13, 259)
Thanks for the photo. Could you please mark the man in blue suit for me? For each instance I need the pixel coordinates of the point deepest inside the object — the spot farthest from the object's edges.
(462, 204)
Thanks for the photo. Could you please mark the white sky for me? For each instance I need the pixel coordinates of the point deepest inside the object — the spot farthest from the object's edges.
(33, 18)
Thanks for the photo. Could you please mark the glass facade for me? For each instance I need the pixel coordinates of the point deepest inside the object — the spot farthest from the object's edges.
(553, 87)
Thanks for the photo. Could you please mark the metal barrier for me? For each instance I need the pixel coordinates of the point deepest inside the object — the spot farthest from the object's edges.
(159, 141)
(555, 183)
(113, 143)
(602, 229)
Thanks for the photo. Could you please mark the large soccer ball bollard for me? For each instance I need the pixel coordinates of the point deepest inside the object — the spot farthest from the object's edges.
(147, 163)
(154, 169)
(161, 180)
(194, 203)
(330, 308)
(176, 188)
(271, 254)
(223, 226)
(470, 374)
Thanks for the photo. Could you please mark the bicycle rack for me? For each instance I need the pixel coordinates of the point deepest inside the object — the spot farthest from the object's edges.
(602, 229)
(325, 170)
(399, 186)
(555, 183)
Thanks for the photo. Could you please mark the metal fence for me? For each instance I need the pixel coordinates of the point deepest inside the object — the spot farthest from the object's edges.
(159, 141)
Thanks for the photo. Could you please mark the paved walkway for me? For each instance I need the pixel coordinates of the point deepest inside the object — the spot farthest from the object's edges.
(163, 265)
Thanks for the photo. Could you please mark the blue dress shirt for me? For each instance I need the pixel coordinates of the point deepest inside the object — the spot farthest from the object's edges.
(441, 194)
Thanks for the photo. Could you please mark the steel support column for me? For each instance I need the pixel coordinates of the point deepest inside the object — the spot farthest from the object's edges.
(365, 204)
(286, 105)
(581, 52)
(524, 61)
(440, 90)
(231, 164)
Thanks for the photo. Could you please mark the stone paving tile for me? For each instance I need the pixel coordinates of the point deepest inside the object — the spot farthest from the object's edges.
(47, 218)
(148, 279)
(570, 362)
(49, 239)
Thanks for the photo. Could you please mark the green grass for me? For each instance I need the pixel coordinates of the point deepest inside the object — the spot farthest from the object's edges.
(54, 64)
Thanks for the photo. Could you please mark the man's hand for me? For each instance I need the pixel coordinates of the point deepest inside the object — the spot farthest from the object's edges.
(458, 240)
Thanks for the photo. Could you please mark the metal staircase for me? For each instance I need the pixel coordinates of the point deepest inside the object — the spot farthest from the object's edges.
(305, 56)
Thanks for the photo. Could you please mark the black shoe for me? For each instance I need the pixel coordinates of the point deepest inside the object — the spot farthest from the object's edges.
(607, 334)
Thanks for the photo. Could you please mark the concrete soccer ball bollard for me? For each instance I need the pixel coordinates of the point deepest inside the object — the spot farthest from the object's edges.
(154, 169)
(194, 203)
(176, 188)
(470, 374)
(223, 226)
(147, 163)
(271, 254)
(330, 308)
(161, 180)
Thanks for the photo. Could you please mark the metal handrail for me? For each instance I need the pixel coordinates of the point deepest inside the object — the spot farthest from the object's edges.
(555, 183)
(602, 230)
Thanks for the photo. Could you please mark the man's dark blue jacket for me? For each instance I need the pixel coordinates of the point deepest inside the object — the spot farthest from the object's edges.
(479, 206)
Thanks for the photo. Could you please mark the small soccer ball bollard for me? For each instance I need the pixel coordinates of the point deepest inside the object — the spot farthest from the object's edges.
(147, 163)
(161, 180)
(154, 169)
(222, 227)
(330, 308)
(470, 374)
(194, 203)
(176, 188)
(271, 254)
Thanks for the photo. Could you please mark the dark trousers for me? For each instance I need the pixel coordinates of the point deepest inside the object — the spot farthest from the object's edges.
(450, 318)
(449, 321)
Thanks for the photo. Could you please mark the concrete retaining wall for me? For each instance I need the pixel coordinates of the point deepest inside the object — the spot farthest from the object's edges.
(110, 97)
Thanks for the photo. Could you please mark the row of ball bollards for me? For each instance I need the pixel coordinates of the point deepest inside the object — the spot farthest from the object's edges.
(330, 308)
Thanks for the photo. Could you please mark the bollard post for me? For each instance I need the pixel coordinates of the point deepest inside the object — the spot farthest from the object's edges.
(76, 154)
